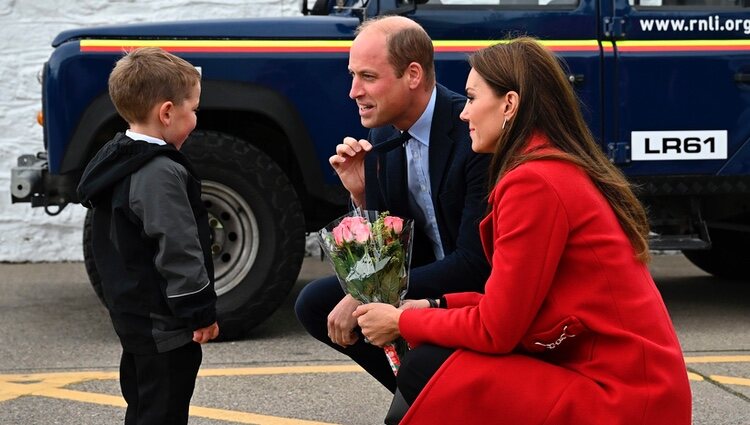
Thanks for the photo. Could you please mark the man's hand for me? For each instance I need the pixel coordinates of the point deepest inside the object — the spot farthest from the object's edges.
(341, 323)
(349, 164)
(203, 335)
(379, 322)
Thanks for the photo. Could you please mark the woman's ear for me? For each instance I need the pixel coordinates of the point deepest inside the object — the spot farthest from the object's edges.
(510, 107)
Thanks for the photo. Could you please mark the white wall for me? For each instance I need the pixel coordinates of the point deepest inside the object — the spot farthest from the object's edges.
(27, 28)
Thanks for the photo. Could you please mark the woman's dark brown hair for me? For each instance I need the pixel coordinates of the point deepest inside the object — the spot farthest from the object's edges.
(548, 104)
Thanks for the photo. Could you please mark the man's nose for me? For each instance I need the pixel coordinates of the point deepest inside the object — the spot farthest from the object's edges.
(356, 90)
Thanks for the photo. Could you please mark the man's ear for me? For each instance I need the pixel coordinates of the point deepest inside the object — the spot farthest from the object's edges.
(165, 112)
(415, 74)
(511, 104)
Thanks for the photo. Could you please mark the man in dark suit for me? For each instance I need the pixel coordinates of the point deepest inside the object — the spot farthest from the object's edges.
(418, 164)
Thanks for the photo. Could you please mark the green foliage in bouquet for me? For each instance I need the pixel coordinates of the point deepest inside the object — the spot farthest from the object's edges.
(370, 258)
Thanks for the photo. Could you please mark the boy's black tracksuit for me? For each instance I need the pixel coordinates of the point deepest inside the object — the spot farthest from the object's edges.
(151, 245)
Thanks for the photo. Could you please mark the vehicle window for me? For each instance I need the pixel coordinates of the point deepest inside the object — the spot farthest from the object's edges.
(691, 4)
(504, 2)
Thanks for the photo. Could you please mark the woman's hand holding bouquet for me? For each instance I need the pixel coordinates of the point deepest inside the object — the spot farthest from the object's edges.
(382, 327)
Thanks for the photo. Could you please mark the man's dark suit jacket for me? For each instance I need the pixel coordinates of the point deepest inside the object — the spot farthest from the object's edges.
(458, 179)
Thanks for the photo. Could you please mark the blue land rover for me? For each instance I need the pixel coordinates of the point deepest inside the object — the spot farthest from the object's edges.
(665, 85)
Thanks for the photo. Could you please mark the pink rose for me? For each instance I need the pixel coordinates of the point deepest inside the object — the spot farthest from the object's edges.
(351, 229)
(360, 229)
(341, 234)
(396, 224)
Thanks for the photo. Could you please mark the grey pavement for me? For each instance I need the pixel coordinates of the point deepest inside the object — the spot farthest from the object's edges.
(52, 322)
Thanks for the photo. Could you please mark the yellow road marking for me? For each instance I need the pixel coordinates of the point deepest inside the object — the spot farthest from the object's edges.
(248, 418)
(203, 412)
(61, 378)
(717, 359)
(282, 370)
(67, 378)
(731, 380)
(51, 385)
(82, 396)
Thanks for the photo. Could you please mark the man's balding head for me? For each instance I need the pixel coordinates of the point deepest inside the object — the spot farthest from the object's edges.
(406, 41)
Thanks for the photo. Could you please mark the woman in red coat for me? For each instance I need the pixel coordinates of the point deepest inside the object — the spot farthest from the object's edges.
(571, 328)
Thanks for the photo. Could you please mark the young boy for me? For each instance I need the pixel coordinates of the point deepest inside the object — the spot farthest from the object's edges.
(151, 239)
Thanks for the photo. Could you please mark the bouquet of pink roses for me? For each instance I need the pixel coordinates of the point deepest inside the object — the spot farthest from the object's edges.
(370, 253)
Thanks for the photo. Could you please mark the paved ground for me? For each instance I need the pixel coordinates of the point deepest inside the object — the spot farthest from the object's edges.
(59, 356)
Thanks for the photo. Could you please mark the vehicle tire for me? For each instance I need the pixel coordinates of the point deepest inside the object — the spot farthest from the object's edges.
(258, 229)
(729, 256)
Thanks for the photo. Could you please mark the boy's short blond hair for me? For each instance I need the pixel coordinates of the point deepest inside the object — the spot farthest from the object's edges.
(147, 76)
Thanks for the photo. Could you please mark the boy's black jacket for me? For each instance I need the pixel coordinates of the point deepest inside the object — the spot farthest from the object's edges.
(151, 243)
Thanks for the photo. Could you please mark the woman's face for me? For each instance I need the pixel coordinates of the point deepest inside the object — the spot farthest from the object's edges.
(484, 111)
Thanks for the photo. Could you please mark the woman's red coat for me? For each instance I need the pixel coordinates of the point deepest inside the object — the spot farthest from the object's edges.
(571, 328)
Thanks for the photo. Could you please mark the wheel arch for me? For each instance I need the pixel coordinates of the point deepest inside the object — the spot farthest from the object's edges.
(252, 113)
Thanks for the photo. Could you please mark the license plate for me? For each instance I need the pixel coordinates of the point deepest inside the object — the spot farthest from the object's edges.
(678, 145)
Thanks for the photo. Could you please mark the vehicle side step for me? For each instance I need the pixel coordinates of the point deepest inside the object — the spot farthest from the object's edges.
(677, 242)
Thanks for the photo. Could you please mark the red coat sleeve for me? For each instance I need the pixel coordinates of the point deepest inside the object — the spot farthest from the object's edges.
(528, 233)
(462, 299)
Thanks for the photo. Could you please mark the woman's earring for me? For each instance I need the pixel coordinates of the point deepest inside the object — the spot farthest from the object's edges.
(505, 120)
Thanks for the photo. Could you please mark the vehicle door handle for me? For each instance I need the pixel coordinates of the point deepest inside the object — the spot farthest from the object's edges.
(742, 78)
